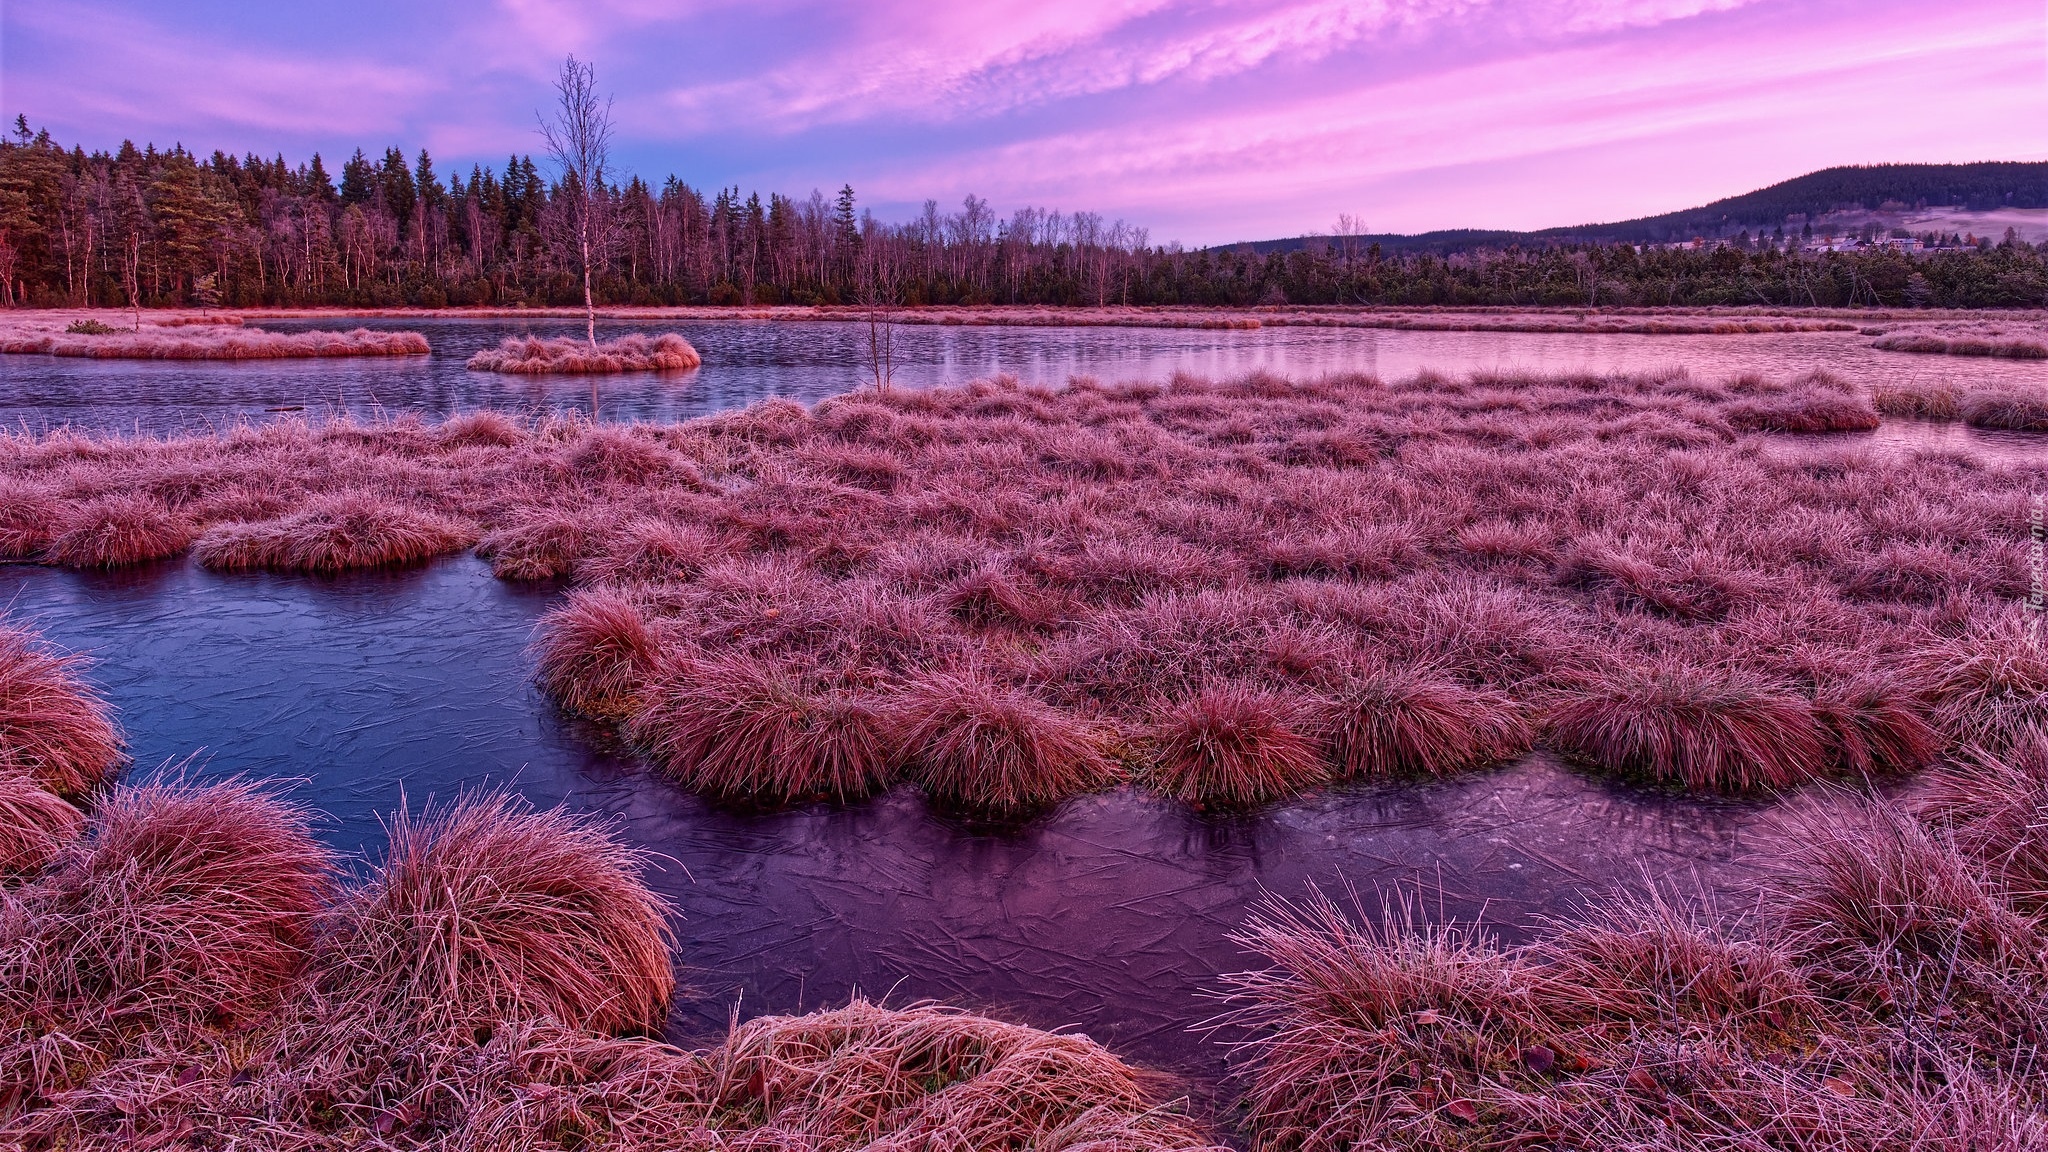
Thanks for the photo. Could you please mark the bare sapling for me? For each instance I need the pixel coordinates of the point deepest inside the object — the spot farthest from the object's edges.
(881, 337)
(579, 141)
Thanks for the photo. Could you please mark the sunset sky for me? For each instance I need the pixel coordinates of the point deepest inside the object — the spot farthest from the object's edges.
(1207, 122)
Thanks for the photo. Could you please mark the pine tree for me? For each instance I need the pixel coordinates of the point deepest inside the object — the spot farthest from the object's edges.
(356, 180)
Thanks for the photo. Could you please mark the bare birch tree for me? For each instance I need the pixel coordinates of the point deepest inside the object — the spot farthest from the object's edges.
(579, 140)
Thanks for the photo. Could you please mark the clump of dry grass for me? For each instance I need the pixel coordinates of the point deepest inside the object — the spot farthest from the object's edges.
(532, 355)
(35, 824)
(220, 342)
(1232, 745)
(484, 912)
(54, 729)
(1881, 995)
(2010, 411)
(335, 533)
(747, 729)
(1918, 401)
(1705, 727)
(27, 516)
(974, 744)
(1996, 809)
(1988, 684)
(596, 651)
(927, 1076)
(193, 899)
(2014, 348)
(113, 531)
(1391, 722)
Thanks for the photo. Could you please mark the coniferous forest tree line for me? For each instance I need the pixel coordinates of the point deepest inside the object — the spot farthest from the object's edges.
(173, 228)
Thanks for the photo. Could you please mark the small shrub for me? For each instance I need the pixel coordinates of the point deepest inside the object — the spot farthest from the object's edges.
(89, 328)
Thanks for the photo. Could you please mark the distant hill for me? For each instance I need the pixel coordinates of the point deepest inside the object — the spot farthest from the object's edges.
(1866, 188)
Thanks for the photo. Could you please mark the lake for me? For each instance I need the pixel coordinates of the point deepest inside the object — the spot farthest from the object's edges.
(747, 360)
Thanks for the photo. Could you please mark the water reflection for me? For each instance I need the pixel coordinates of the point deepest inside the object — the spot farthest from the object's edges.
(745, 361)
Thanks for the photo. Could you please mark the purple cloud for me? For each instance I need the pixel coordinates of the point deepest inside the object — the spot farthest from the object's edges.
(1209, 121)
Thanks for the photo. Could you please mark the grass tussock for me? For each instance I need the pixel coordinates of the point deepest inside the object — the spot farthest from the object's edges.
(486, 912)
(1702, 727)
(1233, 745)
(35, 824)
(972, 743)
(190, 971)
(116, 531)
(595, 652)
(746, 729)
(335, 533)
(1404, 722)
(534, 356)
(2014, 348)
(1882, 994)
(2010, 411)
(220, 342)
(55, 730)
(1106, 554)
(1918, 401)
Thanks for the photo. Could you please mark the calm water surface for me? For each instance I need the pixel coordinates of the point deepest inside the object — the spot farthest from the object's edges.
(745, 361)
(1109, 915)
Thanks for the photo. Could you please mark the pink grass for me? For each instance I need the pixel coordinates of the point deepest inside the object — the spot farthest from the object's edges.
(531, 355)
(1410, 722)
(335, 533)
(539, 543)
(973, 744)
(115, 531)
(2012, 411)
(35, 824)
(1707, 728)
(486, 911)
(1234, 745)
(595, 652)
(743, 728)
(54, 728)
(2015, 349)
(184, 899)
(223, 343)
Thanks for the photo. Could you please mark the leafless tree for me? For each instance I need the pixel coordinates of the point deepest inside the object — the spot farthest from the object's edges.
(881, 334)
(579, 140)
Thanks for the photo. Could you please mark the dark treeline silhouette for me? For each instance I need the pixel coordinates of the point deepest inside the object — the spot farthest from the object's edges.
(171, 228)
(1827, 196)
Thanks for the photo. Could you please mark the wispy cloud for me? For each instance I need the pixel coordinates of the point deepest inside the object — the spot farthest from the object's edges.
(1211, 119)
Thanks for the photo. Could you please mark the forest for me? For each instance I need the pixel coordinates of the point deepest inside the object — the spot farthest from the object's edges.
(163, 228)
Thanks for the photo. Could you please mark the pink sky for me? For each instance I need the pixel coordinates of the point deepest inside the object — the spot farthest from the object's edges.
(1207, 122)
